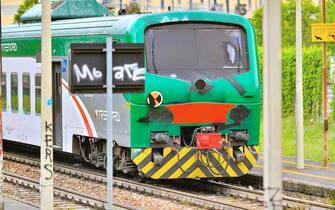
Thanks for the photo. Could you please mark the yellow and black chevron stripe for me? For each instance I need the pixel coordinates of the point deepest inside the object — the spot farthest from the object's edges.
(187, 162)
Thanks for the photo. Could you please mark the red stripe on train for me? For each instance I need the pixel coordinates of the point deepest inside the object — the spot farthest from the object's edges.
(87, 125)
(200, 113)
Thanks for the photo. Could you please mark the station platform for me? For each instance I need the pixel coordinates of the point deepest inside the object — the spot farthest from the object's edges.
(311, 176)
(11, 204)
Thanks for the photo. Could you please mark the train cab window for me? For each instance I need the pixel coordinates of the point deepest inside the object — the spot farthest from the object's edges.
(14, 92)
(38, 93)
(188, 49)
(26, 93)
(4, 92)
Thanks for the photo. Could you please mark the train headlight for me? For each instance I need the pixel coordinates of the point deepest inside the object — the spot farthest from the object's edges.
(239, 114)
(200, 84)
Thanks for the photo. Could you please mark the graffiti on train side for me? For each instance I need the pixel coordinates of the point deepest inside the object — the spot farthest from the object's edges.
(85, 73)
(127, 72)
(131, 71)
(89, 68)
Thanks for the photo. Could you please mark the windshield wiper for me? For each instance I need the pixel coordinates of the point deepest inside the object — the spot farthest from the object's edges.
(239, 54)
(153, 55)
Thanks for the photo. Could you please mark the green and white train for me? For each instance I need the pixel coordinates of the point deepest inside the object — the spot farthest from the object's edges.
(198, 117)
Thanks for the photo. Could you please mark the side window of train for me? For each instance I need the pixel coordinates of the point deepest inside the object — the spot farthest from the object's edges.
(26, 93)
(14, 92)
(4, 92)
(38, 93)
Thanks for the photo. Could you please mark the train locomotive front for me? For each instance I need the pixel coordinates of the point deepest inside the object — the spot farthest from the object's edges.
(200, 114)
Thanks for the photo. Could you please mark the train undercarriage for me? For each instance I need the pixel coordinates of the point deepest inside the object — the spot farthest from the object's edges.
(227, 157)
(94, 152)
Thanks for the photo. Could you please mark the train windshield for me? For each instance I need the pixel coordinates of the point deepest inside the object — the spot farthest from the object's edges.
(185, 50)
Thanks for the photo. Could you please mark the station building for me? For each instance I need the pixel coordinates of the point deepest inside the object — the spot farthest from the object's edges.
(243, 7)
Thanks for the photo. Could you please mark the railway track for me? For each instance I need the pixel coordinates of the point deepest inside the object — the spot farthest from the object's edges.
(217, 187)
(289, 202)
(135, 186)
(19, 190)
(65, 198)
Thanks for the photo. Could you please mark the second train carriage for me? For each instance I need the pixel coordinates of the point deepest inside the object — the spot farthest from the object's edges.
(199, 115)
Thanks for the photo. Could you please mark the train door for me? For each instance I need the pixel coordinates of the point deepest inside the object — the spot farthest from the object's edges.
(57, 104)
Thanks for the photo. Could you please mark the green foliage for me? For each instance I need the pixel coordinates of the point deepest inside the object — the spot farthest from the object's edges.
(332, 82)
(312, 80)
(4, 102)
(14, 102)
(133, 8)
(330, 11)
(26, 103)
(331, 201)
(257, 21)
(310, 14)
(25, 6)
(312, 83)
(38, 103)
(313, 138)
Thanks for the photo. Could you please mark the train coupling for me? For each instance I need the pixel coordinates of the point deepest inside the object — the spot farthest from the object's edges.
(238, 139)
(157, 158)
(208, 140)
(238, 155)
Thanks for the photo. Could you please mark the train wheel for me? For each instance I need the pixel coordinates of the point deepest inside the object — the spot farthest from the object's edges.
(115, 162)
(139, 177)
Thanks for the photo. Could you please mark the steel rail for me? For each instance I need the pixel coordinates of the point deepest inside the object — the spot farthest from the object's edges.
(176, 195)
(258, 195)
(224, 188)
(63, 192)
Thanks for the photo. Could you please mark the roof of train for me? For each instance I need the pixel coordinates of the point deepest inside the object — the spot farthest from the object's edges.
(110, 25)
(72, 27)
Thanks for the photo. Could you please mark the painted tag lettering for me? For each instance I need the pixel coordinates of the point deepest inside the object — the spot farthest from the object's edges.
(48, 149)
(85, 73)
(102, 115)
(131, 71)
